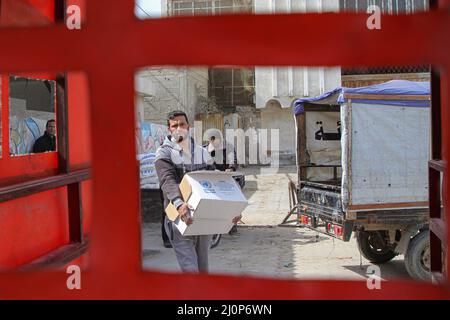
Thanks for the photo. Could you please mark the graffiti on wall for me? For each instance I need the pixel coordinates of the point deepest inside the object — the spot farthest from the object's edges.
(149, 137)
(23, 134)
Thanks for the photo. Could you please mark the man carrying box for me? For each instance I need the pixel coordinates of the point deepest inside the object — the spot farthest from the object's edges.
(177, 156)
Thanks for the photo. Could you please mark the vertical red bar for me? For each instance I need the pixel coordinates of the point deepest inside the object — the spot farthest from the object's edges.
(5, 116)
(116, 219)
(445, 88)
(434, 183)
(75, 208)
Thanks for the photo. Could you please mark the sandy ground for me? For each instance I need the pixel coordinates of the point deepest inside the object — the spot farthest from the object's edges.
(262, 248)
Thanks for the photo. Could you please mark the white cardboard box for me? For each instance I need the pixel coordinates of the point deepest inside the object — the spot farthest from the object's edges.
(216, 199)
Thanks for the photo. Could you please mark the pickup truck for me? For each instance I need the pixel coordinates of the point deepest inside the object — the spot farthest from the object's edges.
(362, 156)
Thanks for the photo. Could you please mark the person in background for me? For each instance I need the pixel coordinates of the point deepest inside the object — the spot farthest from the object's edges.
(224, 156)
(47, 142)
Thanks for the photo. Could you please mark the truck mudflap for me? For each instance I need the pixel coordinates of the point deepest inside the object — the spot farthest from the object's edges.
(320, 209)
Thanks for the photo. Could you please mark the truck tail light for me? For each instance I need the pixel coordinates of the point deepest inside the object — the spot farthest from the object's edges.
(338, 231)
(304, 219)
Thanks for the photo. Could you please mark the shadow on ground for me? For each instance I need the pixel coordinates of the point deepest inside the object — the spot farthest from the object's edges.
(392, 270)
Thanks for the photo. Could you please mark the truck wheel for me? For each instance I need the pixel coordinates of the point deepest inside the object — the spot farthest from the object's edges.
(417, 257)
(373, 246)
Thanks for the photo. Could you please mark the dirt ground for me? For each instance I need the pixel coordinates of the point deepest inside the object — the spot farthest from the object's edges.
(264, 249)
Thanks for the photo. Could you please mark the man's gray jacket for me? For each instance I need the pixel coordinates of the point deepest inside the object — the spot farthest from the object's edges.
(171, 167)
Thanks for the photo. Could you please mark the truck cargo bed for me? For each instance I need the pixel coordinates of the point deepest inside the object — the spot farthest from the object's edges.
(320, 208)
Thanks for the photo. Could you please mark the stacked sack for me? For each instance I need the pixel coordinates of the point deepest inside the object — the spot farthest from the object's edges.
(149, 179)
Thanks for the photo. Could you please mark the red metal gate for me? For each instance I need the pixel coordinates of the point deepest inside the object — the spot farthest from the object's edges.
(109, 49)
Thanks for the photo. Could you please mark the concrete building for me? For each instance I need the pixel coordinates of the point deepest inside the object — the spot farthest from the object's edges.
(161, 89)
(277, 88)
(255, 98)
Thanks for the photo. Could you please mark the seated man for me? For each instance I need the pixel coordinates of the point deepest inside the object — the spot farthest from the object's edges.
(48, 140)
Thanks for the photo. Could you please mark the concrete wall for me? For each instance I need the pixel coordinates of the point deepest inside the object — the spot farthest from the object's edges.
(151, 206)
(164, 8)
(272, 86)
(287, 6)
(160, 90)
(273, 117)
(287, 84)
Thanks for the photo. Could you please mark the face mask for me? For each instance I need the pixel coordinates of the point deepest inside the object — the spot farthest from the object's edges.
(180, 135)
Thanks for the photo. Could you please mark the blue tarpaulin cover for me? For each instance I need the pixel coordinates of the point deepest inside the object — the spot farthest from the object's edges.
(394, 87)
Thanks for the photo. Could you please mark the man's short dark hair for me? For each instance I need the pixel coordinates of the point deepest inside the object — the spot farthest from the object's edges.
(176, 113)
(51, 120)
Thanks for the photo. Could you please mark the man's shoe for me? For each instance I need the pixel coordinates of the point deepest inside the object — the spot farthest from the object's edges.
(167, 244)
